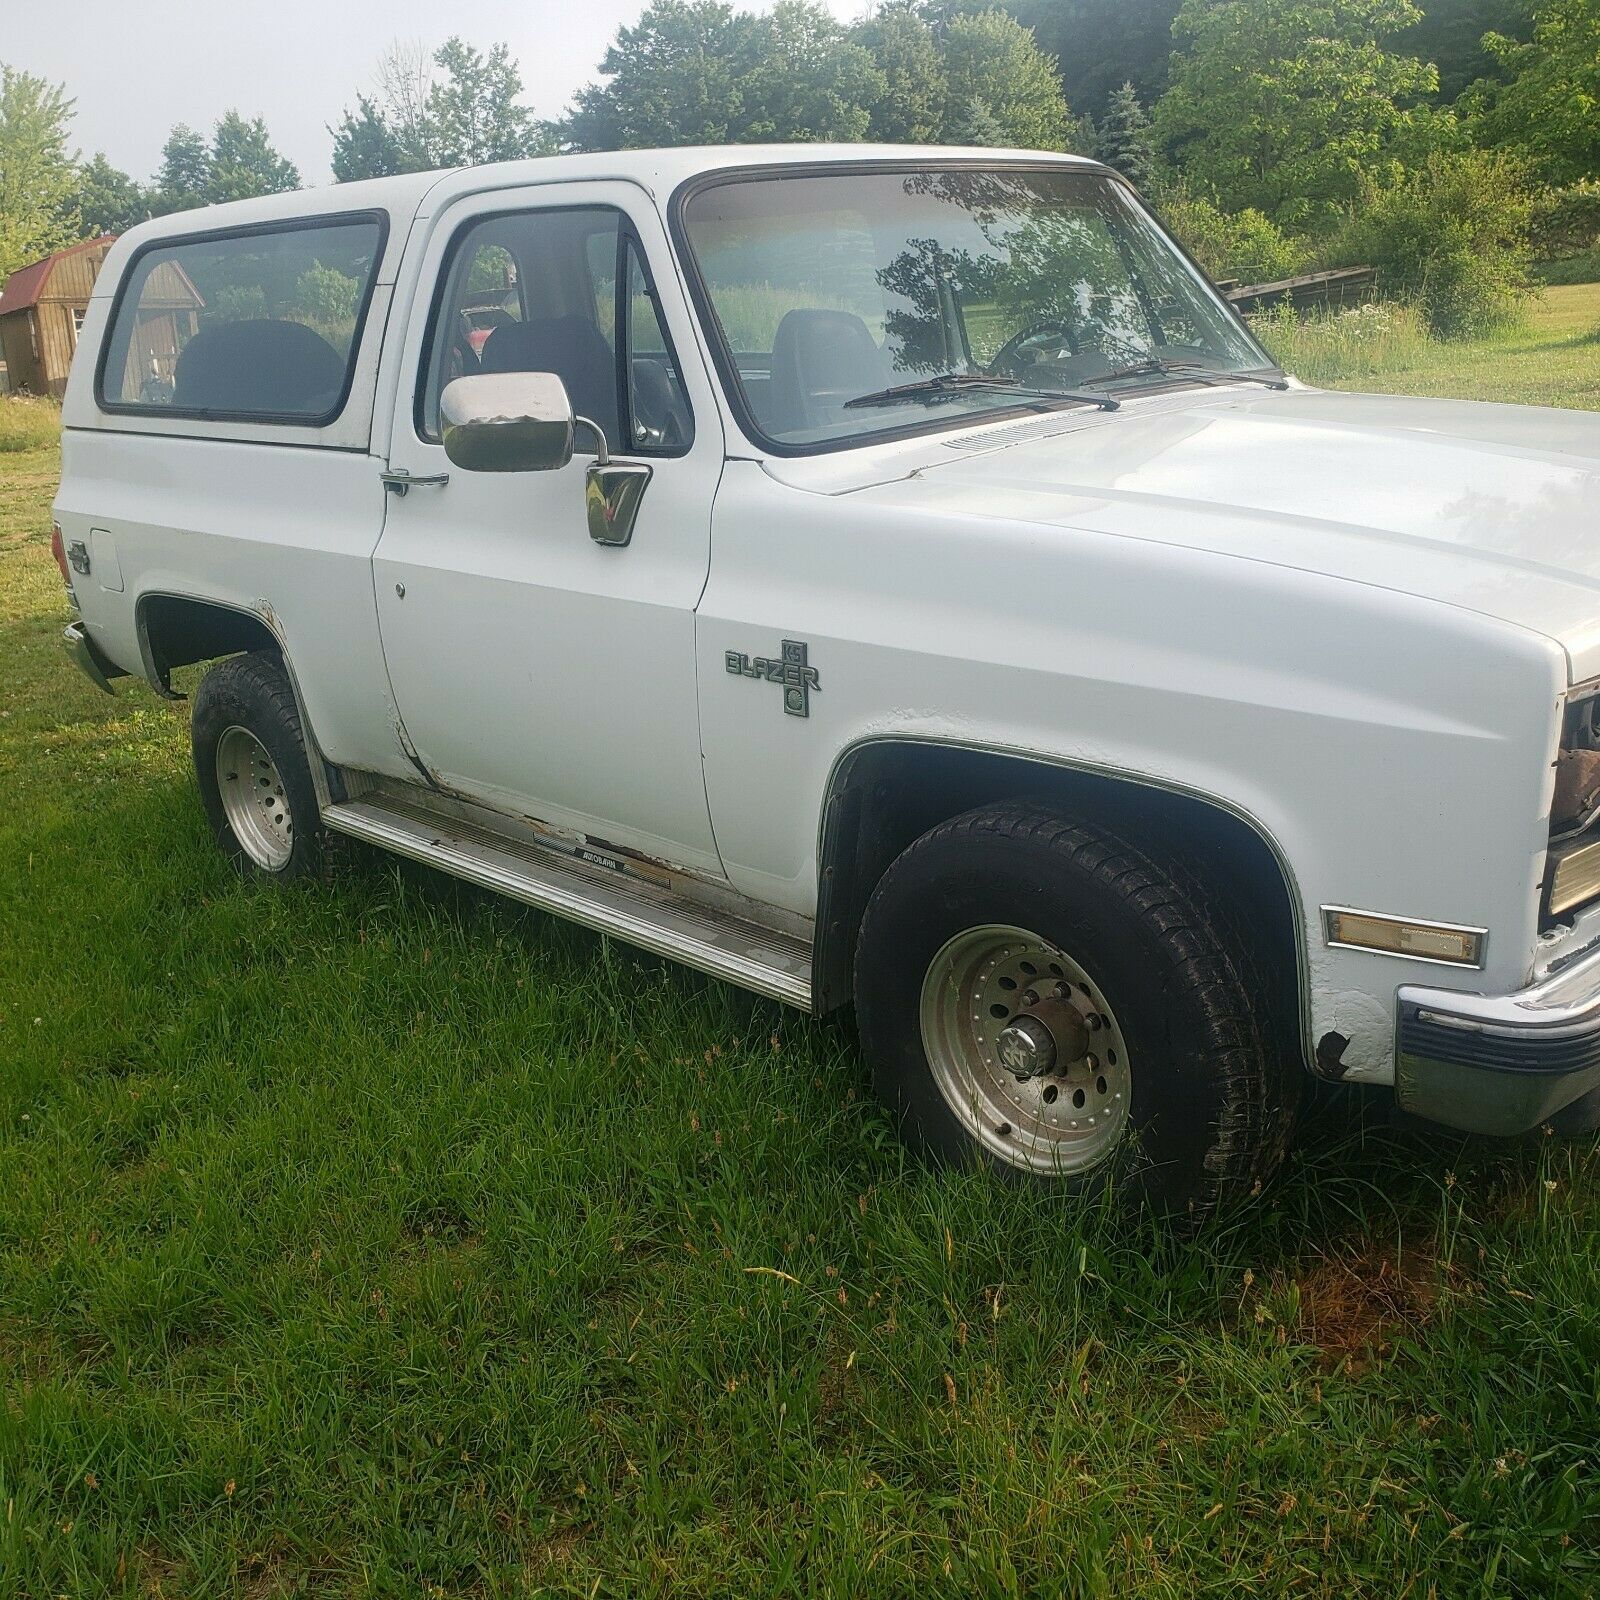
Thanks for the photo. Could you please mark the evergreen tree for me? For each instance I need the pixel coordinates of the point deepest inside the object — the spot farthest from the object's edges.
(109, 201)
(243, 162)
(1123, 138)
(975, 123)
(180, 182)
(365, 146)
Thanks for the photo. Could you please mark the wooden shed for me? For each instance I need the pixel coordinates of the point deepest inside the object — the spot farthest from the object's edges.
(41, 311)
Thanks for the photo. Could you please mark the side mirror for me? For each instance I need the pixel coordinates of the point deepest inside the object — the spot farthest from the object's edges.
(507, 422)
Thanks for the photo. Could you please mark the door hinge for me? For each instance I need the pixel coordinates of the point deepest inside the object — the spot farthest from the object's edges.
(398, 481)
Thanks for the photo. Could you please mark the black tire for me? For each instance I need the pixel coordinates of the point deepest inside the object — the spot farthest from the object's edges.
(1212, 1091)
(253, 692)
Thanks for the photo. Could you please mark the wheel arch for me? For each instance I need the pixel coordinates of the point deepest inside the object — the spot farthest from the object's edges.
(885, 792)
(177, 630)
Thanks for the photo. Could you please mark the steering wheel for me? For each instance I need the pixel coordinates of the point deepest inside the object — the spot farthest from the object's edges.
(1008, 359)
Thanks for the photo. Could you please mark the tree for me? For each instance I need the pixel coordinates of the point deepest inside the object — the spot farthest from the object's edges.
(180, 182)
(1099, 44)
(417, 119)
(905, 50)
(1124, 140)
(1287, 104)
(991, 58)
(1550, 110)
(472, 112)
(975, 123)
(672, 79)
(238, 164)
(697, 72)
(365, 146)
(109, 201)
(38, 181)
(1451, 34)
(244, 164)
(805, 79)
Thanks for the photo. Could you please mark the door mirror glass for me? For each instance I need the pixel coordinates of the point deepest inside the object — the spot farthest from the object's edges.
(507, 422)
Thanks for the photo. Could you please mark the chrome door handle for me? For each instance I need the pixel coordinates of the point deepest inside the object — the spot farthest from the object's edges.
(400, 481)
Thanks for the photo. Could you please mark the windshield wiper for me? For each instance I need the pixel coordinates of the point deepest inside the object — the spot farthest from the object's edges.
(1161, 367)
(952, 383)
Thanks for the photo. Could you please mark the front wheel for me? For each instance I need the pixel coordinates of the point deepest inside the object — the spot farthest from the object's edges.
(251, 765)
(1038, 992)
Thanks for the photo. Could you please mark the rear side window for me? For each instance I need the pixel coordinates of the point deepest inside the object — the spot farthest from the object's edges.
(259, 324)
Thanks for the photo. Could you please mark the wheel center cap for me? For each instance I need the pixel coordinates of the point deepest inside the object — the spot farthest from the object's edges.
(1051, 1034)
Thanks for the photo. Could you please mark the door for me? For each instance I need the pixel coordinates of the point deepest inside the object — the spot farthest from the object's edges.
(535, 669)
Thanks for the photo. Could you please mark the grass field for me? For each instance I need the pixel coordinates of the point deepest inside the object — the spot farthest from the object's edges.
(1552, 360)
(380, 1239)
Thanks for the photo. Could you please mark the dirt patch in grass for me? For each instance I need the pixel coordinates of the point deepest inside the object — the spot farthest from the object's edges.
(1356, 1300)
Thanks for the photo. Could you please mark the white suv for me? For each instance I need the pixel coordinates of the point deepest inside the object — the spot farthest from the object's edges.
(882, 575)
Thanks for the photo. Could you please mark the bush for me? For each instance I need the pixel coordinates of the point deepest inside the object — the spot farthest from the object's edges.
(1451, 236)
(1582, 268)
(1247, 245)
(1329, 347)
(1566, 222)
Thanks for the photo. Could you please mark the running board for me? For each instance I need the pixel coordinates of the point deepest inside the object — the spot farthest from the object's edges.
(628, 907)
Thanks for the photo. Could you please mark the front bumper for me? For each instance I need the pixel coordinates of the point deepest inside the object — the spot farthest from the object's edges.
(1500, 1063)
(87, 658)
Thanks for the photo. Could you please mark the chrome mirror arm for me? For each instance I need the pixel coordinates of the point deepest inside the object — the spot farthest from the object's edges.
(602, 455)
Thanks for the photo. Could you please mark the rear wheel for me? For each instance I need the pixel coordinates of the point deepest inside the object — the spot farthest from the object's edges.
(252, 769)
(1038, 992)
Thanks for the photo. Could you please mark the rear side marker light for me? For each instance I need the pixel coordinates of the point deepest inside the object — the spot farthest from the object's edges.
(58, 549)
(1420, 941)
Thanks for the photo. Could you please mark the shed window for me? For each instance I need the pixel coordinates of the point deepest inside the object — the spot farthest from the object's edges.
(255, 324)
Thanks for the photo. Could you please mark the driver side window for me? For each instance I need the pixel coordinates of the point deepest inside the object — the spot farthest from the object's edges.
(562, 291)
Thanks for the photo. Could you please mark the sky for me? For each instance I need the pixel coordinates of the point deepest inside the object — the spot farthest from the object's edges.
(136, 67)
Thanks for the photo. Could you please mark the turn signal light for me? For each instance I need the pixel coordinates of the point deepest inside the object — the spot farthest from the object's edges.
(1422, 941)
(1574, 877)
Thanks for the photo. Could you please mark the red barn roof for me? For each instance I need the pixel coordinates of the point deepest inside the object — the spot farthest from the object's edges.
(26, 284)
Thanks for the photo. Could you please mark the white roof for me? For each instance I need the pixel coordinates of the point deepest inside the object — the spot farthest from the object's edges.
(421, 193)
(660, 171)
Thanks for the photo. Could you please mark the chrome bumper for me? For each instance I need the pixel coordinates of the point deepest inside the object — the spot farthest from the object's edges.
(86, 657)
(1500, 1063)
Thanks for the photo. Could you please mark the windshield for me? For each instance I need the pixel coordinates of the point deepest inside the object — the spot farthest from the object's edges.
(965, 291)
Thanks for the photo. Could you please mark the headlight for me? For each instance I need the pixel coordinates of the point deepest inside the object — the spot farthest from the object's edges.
(1572, 873)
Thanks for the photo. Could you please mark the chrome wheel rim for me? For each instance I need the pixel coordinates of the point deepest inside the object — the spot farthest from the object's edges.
(986, 996)
(253, 800)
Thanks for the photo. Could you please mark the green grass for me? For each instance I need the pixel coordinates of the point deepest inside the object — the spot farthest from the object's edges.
(382, 1239)
(28, 424)
(1551, 359)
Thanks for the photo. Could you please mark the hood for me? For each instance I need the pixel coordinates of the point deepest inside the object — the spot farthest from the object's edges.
(1488, 507)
